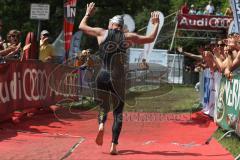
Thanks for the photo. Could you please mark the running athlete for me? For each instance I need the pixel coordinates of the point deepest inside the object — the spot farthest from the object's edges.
(113, 43)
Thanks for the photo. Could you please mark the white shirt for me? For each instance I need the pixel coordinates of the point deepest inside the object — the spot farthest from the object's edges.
(210, 9)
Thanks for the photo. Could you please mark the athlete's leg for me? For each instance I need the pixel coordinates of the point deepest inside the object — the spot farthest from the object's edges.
(118, 103)
(103, 96)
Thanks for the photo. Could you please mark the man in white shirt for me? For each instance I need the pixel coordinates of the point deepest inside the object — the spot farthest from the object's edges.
(210, 8)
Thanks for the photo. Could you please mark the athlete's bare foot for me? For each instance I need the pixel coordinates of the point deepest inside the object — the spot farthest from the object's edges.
(113, 149)
(99, 138)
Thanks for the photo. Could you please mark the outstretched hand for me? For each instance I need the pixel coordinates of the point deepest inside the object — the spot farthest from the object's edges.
(14, 49)
(217, 51)
(155, 17)
(228, 74)
(90, 9)
(1, 42)
(180, 49)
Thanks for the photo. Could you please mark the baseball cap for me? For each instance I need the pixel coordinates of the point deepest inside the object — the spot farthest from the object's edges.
(118, 19)
(44, 32)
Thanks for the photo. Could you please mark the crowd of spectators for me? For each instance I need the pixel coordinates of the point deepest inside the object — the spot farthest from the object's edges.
(209, 9)
(11, 47)
(222, 56)
(214, 61)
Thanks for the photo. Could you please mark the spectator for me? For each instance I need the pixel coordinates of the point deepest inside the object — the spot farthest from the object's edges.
(219, 12)
(46, 49)
(210, 8)
(228, 12)
(12, 49)
(191, 55)
(143, 65)
(192, 10)
(200, 11)
(84, 59)
(184, 8)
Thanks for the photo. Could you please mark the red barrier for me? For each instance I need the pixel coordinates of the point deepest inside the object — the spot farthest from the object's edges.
(27, 85)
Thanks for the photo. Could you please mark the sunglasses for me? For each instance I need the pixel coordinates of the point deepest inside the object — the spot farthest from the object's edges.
(221, 45)
(13, 36)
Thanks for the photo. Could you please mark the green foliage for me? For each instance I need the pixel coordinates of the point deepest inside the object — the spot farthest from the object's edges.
(176, 4)
(192, 45)
(15, 14)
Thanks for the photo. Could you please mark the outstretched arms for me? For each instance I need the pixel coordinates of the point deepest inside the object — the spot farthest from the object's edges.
(83, 26)
(193, 56)
(140, 39)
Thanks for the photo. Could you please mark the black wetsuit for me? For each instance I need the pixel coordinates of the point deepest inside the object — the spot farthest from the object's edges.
(111, 80)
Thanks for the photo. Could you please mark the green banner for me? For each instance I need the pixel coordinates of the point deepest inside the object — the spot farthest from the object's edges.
(227, 115)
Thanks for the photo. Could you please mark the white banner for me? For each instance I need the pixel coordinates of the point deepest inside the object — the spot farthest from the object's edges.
(148, 47)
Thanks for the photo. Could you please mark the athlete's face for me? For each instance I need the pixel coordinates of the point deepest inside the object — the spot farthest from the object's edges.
(114, 26)
(110, 24)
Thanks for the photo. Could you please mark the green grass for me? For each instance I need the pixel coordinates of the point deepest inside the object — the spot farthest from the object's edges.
(232, 143)
(167, 98)
(86, 103)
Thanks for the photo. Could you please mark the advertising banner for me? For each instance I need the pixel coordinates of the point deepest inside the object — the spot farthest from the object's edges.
(228, 104)
(32, 84)
(69, 16)
(203, 22)
(149, 46)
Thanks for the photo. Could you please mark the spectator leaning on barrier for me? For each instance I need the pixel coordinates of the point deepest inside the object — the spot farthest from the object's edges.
(200, 11)
(192, 10)
(184, 8)
(219, 12)
(225, 56)
(12, 49)
(46, 49)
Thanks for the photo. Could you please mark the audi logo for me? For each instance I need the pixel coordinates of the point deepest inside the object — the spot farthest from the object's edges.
(37, 82)
(219, 22)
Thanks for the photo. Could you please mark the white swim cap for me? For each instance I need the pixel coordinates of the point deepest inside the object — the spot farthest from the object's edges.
(118, 19)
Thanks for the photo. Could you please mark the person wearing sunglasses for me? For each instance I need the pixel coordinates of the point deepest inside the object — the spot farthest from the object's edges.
(46, 49)
(12, 49)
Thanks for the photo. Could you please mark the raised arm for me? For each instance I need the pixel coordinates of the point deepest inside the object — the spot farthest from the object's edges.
(140, 39)
(236, 62)
(83, 26)
(191, 55)
(8, 50)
